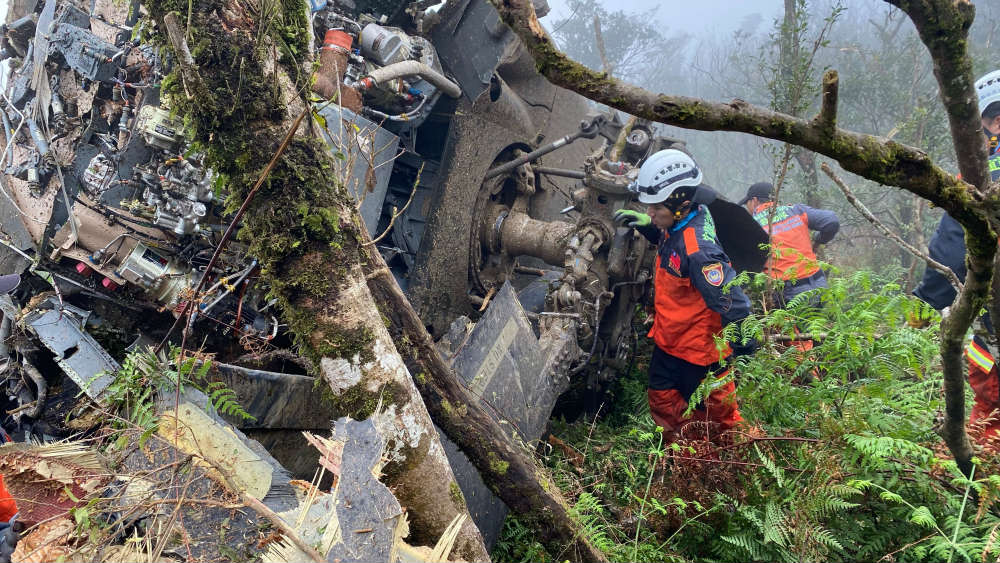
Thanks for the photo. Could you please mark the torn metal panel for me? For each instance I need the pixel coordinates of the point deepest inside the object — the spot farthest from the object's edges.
(275, 400)
(193, 427)
(368, 151)
(60, 329)
(517, 378)
(501, 362)
(83, 52)
(367, 511)
(203, 530)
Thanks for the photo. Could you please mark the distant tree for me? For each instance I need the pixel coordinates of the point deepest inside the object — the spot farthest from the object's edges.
(634, 44)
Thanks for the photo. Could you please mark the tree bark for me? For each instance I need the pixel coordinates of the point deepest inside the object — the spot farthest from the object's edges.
(304, 230)
(943, 27)
(506, 468)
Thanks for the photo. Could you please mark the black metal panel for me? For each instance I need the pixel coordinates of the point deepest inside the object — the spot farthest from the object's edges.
(470, 40)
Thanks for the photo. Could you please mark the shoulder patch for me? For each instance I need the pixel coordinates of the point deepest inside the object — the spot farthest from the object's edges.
(713, 273)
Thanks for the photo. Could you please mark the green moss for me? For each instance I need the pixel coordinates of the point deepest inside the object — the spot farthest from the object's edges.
(335, 342)
(237, 117)
(456, 495)
(497, 465)
(357, 401)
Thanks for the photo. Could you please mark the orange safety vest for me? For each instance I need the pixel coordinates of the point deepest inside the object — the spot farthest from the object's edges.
(8, 506)
(792, 256)
(683, 325)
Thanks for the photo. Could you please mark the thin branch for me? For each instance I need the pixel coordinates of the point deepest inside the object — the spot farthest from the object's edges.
(395, 213)
(599, 41)
(931, 263)
(189, 70)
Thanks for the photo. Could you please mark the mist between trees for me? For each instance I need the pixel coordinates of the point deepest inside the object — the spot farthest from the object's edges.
(887, 88)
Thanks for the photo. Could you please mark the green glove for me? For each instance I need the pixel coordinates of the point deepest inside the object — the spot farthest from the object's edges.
(633, 219)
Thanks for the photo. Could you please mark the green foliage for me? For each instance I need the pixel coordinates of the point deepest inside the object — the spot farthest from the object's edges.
(838, 460)
(132, 392)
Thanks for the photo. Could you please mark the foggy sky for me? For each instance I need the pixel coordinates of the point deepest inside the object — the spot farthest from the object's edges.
(691, 17)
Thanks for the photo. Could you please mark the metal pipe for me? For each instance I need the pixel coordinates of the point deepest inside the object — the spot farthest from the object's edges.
(6, 127)
(575, 174)
(5, 328)
(412, 68)
(588, 129)
(36, 135)
(40, 385)
(533, 155)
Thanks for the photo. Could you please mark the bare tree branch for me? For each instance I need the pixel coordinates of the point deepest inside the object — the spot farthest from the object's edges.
(943, 26)
(931, 263)
(599, 41)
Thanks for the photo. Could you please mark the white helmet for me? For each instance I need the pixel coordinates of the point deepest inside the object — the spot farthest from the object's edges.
(988, 90)
(662, 173)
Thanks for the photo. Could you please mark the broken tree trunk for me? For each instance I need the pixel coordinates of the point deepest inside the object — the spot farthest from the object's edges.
(303, 228)
(507, 468)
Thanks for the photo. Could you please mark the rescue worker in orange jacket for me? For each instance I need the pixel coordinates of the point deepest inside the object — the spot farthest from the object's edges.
(947, 246)
(793, 260)
(692, 299)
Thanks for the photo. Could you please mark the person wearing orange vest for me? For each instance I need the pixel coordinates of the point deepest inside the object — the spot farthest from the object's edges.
(793, 260)
(947, 246)
(693, 300)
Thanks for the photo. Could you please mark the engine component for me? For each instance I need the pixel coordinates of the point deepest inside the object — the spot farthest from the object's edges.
(83, 52)
(412, 68)
(158, 128)
(384, 46)
(95, 176)
(162, 277)
(333, 65)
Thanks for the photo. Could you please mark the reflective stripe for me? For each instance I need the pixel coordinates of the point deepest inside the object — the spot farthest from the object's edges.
(979, 356)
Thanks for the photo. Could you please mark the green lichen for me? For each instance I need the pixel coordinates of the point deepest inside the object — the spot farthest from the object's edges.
(456, 496)
(357, 401)
(497, 465)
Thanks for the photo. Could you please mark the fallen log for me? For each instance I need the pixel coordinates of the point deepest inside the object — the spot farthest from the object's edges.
(506, 468)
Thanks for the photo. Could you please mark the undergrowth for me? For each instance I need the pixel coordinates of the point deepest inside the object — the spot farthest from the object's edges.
(837, 461)
(132, 393)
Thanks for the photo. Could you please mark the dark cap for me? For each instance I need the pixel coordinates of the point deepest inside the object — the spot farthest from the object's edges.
(760, 190)
(9, 282)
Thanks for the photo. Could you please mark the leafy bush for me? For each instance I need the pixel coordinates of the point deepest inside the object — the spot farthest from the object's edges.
(132, 391)
(838, 459)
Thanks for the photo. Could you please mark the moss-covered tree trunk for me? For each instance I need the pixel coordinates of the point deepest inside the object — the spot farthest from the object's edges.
(239, 93)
